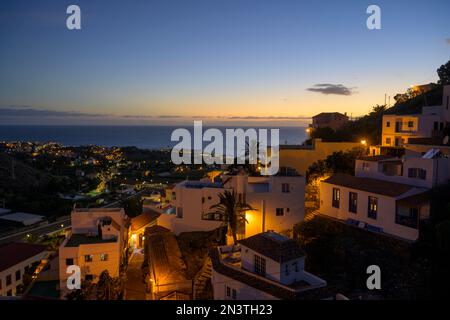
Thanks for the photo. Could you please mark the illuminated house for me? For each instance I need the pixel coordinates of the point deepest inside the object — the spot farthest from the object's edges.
(399, 127)
(266, 266)
(387, 194)
(278, 202)
(98, 241)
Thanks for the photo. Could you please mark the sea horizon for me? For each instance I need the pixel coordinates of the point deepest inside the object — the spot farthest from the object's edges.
(141, 136)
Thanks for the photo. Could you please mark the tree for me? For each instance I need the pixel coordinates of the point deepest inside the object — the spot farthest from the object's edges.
(231, 211)
(444, 74)
(342, 162)
(108, 288)
(133, 206)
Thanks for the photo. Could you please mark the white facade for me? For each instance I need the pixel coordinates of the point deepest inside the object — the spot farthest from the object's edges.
(387, 214)
(412, 170)
(98, 242)
(398, 129)
(236, 277)
(278, 202)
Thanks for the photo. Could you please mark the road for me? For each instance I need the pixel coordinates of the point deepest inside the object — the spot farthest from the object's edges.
(59, 225)
(38, 231)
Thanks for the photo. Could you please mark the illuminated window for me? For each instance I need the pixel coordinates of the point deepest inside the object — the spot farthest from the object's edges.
(336, 198)
(88, 258)
(104, 257)
(280, 212)
(372, 207)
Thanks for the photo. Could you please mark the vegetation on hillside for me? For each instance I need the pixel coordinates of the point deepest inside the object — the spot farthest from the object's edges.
(369, 127)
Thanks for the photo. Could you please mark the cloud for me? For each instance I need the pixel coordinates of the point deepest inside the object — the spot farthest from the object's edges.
(268, 118)
(24, 111)
(328, 88)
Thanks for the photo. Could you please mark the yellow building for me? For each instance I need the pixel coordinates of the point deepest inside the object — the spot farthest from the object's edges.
(301, 157)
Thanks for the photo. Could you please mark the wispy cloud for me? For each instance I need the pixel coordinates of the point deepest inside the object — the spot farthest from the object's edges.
(328, 88)
(24, 111)
(35, 115)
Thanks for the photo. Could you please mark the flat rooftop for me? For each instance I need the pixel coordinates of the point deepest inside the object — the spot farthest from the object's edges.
(200, 184)
(76, 240)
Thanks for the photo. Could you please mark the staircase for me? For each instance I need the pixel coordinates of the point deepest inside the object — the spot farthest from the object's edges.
(202, 281)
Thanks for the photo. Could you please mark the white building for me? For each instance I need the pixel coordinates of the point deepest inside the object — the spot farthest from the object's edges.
(98, 241)
(278, 202)
(266, 266)
(16, 260)
(387, 194)
(425, 122)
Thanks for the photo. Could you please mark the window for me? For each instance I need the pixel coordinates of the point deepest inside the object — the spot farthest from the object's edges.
(88, 258)
(228, 291)
(260, 265)
(353, 202)
(408, 217)
(104, 257)
(179, 212)
(336, 197)
(8, 280)
(69, 261)
(203, 200)
(286, 269)
(373, 207)
(447, 101)
(234, 294)
(295, 264)
(9, 293)
(280, 212)
(27, 268)
(285, 188)
(436, 125)
(0, 284)
(388, 141)
(388, 124)
(89, 277)
(410, 124)
(174, 195)
(366, 166)
(18, 275)
(417, 173)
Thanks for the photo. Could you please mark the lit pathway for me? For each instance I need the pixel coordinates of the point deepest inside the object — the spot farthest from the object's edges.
(134, 286)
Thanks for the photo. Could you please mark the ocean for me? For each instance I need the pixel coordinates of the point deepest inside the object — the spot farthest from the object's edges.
(144, 137)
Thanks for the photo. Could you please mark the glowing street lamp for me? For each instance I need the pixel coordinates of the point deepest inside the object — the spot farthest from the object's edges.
(364, 142)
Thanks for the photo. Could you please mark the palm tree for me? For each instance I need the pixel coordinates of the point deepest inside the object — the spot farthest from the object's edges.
(231, 211)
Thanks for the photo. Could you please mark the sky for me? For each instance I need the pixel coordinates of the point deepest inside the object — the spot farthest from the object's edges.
(221, 61)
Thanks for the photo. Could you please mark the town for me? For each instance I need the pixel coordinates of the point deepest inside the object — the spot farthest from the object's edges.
(358, 192)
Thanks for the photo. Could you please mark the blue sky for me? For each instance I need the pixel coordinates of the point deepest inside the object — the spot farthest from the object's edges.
(166, 61)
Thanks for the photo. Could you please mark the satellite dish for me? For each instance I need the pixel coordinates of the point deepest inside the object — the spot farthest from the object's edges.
(446, 140)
